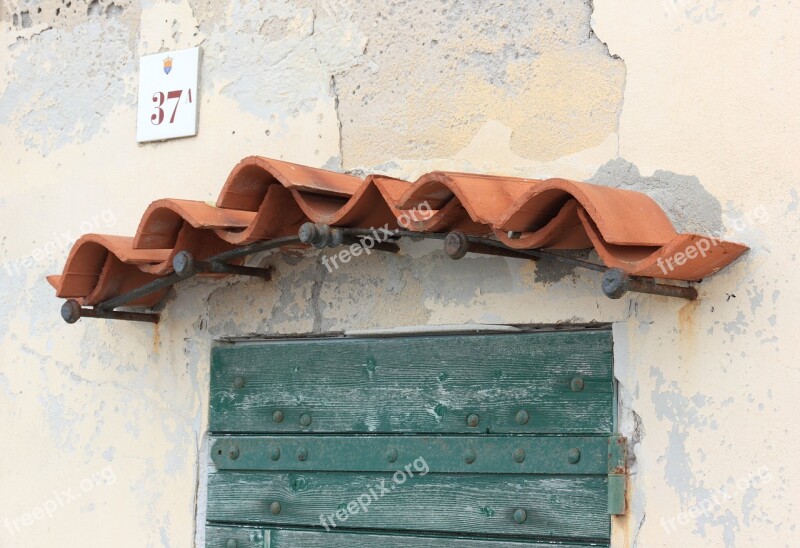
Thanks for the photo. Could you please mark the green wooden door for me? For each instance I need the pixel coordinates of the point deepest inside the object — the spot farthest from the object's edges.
(456, 440)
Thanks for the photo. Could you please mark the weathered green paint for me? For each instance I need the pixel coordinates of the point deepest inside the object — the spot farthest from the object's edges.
(245, 537)
(237, 537)
(557, 506)
(617, 474)
(507, 437)
(444, 454)
(417, 384)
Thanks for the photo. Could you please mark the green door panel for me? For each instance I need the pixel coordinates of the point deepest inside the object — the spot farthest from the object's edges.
(556, 506)
(475, 441)
(442, 454)
(431, 384)
(245, 537)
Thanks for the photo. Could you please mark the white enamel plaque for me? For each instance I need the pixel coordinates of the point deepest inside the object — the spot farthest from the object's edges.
(168, 95)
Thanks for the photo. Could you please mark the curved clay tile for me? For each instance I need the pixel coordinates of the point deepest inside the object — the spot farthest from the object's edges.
(623, 217)
(265, 199)
(88, 256)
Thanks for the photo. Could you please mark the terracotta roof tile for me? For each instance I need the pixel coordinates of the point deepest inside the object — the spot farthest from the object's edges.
(265, 199)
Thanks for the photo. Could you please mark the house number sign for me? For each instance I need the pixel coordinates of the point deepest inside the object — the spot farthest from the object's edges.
(167, 95)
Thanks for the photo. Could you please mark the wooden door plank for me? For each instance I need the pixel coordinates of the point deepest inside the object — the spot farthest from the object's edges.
(555, 506)
(247, 537)
(562, 380)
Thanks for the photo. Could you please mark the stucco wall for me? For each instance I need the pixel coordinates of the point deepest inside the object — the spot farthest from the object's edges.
(692, 101)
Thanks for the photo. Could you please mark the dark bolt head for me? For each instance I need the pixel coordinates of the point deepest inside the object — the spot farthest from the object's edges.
(469, 456)
(456, 244)
(233, 452)
(277, 416)
(305, 419)
(615, 283)
(238, 382)
(576, 384)
(183, 264)
(574, 455)
(473, 420)
(71, 311)
(520, 516)
(308, 233)
(275, 453)
(518, 455)
(231, 543)
(320, 235)
(275, 508)
(391, 455)
(302, 454)
(522, 417)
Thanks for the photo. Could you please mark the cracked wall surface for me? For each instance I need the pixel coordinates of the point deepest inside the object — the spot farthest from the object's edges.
(692, 102)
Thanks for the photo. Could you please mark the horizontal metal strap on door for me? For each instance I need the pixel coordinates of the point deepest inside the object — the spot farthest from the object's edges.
(249, 537)
(438, 454)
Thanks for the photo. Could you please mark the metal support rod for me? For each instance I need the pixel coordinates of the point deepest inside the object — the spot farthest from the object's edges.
(173, 278)
(138, 293)
(72, 311)
(186, 266)
(616, 283)
(457, 245)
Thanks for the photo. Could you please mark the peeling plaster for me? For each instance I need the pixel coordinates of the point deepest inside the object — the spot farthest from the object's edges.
(465, 87)
(520, 64)
(689, 206)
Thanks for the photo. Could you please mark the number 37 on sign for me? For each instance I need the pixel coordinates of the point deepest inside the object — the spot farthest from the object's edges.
(168, 95)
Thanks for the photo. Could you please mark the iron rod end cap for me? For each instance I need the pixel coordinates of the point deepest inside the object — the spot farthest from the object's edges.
(320, 235)
(71, 311)
(615, 283)
(183, 264)
(308, 233)
(456, 244)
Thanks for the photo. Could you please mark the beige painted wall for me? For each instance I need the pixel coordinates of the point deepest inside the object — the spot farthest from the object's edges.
(700, 96)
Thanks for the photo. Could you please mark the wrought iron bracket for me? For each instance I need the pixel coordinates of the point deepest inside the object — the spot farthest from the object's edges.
(456, 244)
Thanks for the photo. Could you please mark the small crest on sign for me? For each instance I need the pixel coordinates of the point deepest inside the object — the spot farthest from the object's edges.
(167, 64)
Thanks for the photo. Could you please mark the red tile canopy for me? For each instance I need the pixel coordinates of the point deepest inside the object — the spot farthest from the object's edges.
(265, 199)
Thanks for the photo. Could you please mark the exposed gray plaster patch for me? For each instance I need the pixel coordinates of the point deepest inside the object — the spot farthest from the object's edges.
(689, 206)
(286, 72)
(756, 298)
(78, 84)
(672, 406)
(552, 271)
(792, 205)
(737, 326)
(6, 386)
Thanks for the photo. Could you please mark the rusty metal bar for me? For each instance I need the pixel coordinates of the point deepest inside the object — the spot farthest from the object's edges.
(615, 283)
(457, 245)
(216, 263)
(186, 266)
(72, 311)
